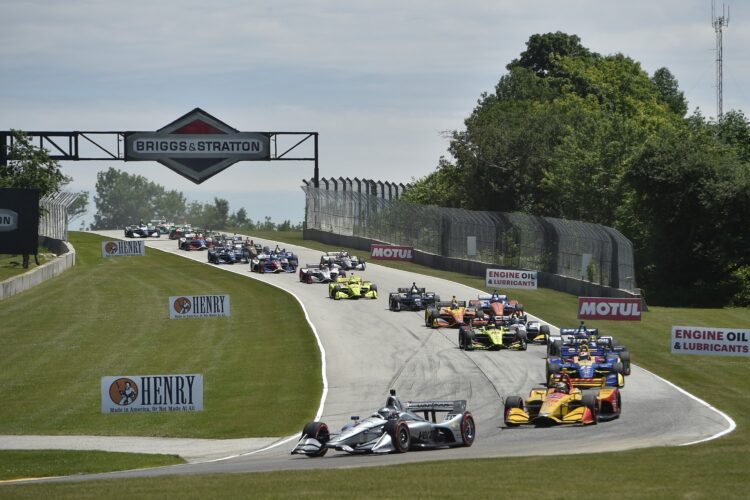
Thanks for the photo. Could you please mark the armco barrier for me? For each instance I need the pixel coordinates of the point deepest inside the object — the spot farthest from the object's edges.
(66, 259)
(473, 268)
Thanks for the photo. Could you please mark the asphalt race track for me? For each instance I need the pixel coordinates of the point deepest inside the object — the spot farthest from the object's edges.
(369, 350)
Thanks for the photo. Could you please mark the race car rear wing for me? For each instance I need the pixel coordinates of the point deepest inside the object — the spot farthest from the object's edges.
(409, 289)
(430, 408)
(448, 303)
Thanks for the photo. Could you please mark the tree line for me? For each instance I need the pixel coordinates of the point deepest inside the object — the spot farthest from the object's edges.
(573, 134)
(122, 199)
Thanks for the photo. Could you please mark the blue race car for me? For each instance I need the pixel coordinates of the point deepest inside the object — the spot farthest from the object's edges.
(587, 368)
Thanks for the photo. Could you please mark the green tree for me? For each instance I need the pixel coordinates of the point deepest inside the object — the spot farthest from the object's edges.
(30, 167)
(123, 199)
(669, 91)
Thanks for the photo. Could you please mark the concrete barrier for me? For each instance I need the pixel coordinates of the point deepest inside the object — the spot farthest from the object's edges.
(66, 259)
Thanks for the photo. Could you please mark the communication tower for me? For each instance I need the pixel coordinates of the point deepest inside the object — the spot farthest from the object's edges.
(718, 23)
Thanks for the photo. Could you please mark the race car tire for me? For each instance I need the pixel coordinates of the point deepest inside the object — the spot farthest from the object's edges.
(544, 330)
(394, 304)
(400, 435)
(523, 345)
(625, 360)
(590, 402)
(468, 430)
(335, 292)
(510, 403)
(301, 276)
(618, 368)
(523, 336)
(462, 337)
(429, 316)
(552, 370)
(309, 279)
(318, 431)
(469, 339)
(554, 348)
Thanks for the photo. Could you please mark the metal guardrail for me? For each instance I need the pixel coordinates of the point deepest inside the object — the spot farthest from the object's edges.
(575, 249)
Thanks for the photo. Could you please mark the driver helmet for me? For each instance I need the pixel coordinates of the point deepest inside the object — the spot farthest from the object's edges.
(387, 413)
(583, 352)
(561, 387)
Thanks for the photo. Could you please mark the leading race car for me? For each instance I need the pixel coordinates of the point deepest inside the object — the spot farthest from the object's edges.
(142, 231)
(343, 260)
(397, 427)
(562, 403)
(353, 287)
(273, 263)
(491, 338)
(320, 273)
(412, 298)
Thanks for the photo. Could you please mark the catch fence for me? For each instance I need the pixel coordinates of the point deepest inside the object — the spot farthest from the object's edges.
(53, 220)
(574, 249)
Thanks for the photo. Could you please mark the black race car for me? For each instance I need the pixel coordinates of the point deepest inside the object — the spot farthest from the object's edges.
(412, 298)
(222, 255)
(142, 231)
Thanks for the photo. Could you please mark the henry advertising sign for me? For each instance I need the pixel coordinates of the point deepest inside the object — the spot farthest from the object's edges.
(123, 248)
(625, 309)
(151, 393)
(198, 306)
(511, 278)
(197, 146)
(708, 340)
(391, 252)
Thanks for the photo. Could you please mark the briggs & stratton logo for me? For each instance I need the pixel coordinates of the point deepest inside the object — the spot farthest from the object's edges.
(8, 220)
(110, 247)
(197, 146)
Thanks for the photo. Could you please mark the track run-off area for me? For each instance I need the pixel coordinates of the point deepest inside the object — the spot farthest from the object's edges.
(367, 349)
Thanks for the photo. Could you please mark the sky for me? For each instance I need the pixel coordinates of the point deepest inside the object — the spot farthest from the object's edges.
(381, 82)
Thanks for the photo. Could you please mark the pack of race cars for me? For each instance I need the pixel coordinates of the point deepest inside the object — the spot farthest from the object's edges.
(585, 371)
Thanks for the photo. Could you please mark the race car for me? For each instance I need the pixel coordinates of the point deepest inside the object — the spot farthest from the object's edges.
(193, 242)
(412, 298)
(603, 344)
(586, 369)
(320, 273)
(395, 428)
(142, 231)
(177, 232)
(491, 338)
(272, 263)
(343, 260)
(454, 313)
(353, 287)
(537, 332)
(561, 403)
(222, 255)
(497, 305)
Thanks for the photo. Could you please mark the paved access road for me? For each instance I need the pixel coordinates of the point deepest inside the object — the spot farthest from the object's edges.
(369, 350)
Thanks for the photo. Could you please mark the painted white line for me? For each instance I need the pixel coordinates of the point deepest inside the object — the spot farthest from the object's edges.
(730, 422)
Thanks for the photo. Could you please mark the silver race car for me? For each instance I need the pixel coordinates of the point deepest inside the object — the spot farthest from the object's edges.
(397, 427)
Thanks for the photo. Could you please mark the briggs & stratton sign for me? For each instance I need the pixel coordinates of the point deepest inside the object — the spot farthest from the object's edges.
(198, 306)
(151, 393)
(197, 146)
(123, 248)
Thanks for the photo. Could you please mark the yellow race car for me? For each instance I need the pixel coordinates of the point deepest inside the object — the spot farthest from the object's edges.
(561, 403)
(352, 287)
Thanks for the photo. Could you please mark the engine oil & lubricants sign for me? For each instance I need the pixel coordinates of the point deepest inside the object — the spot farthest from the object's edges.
(511, 278)
(710, 341)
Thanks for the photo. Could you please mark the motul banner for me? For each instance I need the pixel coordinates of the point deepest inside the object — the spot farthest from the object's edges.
(391, 252)
(609, 308)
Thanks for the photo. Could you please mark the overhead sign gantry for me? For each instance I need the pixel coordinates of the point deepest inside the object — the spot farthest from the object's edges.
(196, 146)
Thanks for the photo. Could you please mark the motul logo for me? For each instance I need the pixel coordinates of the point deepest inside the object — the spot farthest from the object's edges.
(608, 308)
(391, 252)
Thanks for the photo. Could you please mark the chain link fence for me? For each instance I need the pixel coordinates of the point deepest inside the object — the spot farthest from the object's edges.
(574, 249)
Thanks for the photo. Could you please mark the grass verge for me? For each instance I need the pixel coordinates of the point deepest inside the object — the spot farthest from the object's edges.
(109, 317)
(717, 469)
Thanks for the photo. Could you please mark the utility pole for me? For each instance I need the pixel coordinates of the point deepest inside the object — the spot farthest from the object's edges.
(718, 23)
